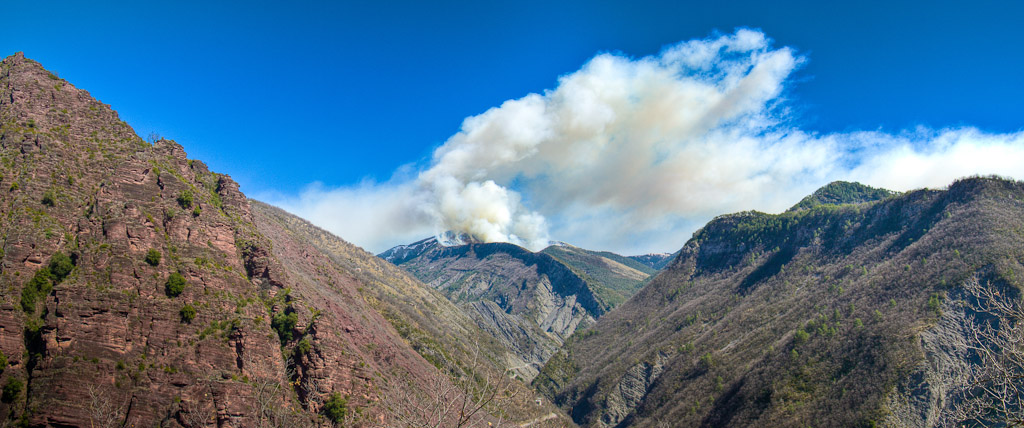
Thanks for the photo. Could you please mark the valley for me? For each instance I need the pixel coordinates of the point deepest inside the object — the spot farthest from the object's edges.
(140, 288)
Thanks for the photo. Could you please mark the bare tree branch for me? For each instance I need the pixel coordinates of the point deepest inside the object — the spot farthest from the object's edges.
(993, 392)
(473, 398)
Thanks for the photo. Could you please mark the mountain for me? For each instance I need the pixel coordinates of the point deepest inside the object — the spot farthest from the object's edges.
(531, 302)
(842, 192)
(656, 261)
(140, 289)
(435, 327)
(403, 253)
(612, 277)
(903, 311)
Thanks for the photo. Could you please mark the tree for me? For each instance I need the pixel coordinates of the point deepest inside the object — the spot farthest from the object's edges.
(105, 411)
(336, 408)
(186, 199)
(463, 401)
(993, 389)
(175, 284)
(60, 266)
(196, 413)
(153, 257)
(284, 324)
(269, 400)
(188, 313)
(12, 389)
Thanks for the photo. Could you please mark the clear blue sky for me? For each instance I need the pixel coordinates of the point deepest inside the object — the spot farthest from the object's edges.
(282, 95)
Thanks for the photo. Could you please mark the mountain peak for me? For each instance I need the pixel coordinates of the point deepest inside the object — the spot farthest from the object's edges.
(842, 192)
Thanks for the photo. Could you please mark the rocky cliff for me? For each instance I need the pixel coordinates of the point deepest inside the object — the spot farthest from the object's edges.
(531, 302)
(435, 327)
(891, 313)
(138, 288)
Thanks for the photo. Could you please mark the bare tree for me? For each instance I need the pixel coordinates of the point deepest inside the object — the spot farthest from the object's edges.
(268, 399)
(994, 392)
(465, 401)
(105, 411)
(196, 414)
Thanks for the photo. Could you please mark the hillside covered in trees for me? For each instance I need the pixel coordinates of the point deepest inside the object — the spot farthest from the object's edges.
(904, 311)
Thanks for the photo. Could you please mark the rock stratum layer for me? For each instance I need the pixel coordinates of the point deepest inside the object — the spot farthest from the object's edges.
(530, 302)
(140, 289)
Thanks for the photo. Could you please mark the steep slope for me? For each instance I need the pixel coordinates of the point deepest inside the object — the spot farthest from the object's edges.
(434, 326)
(137, 288)
(612, 277)
(836, 315)
(530, 302)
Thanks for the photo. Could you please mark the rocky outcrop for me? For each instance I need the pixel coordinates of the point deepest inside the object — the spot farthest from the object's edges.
(629, 393)
(979, 321)
(437, 329)
(530, 301)
(137, 288)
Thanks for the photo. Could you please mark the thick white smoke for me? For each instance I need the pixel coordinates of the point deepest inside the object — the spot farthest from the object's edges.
(633, 155)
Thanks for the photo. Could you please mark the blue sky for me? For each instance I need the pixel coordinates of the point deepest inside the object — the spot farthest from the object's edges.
(338, 93)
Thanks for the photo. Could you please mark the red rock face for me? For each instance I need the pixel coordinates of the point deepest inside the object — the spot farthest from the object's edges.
(245, 341)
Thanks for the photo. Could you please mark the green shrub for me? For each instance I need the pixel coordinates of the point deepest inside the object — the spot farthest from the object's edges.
(28, 300)
(935, 304)
(196, 211)
(707, 361)
(186, 199)
(800, 336)
(153, 257)
(60, 266)
(12, 389)
(39, 286)
(188, 313)
(284, 324)
(175, 285)
(336, 408)
(3, 362)
(304, 346)
(49, 198)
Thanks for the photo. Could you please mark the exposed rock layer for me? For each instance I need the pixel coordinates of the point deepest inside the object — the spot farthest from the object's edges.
(530, 301)
(849, 315)
(174, 308)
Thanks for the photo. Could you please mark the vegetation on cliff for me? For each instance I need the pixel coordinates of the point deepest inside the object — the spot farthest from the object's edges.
(814, 316)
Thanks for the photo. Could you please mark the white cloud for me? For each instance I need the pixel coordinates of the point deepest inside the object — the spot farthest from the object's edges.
(372, 215)
(632, 155)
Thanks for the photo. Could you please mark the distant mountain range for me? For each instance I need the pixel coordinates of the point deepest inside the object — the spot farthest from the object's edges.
(530, 301)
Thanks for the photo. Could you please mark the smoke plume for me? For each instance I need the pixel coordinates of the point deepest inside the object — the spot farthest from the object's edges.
(633, 155)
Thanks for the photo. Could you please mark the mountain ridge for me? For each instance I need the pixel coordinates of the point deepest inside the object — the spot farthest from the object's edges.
(531, 301)
(781, 319)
